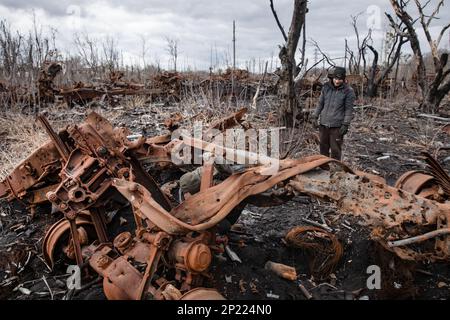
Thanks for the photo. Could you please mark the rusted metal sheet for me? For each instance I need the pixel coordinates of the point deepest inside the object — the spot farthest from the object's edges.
(392, 213)
(227, 122)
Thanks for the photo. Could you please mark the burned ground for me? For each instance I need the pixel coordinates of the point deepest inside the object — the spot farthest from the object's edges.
(383, 140)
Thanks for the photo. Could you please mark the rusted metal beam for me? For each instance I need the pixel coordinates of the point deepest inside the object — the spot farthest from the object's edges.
(62, 148)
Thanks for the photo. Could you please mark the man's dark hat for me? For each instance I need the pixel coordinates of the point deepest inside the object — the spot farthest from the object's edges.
(339, 73)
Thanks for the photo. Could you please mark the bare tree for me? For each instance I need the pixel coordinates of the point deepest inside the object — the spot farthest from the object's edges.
(144, 50)
(88, 51)
(432, 92)
(286, 89)
(355, 60)
(325, 56)
(10, 47)
(110, 53)
(394, 48)
(172, 50)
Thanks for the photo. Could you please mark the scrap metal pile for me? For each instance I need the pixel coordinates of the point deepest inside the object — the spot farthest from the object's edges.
(159, 86)
(81, 93)
(91, 168)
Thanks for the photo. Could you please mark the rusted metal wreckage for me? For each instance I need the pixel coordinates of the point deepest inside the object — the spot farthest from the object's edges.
(162, 85)
(82, 93)
(91, 167)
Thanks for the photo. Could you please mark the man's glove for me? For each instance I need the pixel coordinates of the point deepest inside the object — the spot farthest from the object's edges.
(343, 130)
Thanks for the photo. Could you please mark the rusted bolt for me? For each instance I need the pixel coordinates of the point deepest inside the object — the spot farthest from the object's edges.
(63, 206)
(51, 196)
(133, 187)
(70, 215)
(122, 241)
(102, 261)
(102, 151)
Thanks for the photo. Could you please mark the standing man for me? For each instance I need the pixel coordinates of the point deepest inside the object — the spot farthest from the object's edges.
(335, 110)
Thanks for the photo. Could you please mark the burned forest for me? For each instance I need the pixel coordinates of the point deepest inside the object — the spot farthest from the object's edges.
(149, 168)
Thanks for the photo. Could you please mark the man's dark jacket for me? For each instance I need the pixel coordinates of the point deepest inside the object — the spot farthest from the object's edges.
(335, 105)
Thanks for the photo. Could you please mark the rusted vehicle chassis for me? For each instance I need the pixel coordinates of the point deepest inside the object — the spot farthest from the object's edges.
(87, 168)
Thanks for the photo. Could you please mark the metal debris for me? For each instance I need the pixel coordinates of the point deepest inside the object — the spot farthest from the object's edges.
(87, 167)
(272, 295)
(233, 256)
(281, 270)
(305, 292)
(323, 247)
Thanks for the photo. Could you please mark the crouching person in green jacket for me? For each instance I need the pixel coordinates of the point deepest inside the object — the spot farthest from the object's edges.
(335, 110)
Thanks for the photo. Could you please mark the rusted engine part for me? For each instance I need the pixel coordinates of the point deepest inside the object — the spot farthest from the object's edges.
(82, 160)
(394, 214)
(97, 157)
(91, 155)
(138, 268)
(58, 230)
(323, 248)
(189, 258)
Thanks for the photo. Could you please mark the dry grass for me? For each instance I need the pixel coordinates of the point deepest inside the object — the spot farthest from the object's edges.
(20, 135)
(427, 134)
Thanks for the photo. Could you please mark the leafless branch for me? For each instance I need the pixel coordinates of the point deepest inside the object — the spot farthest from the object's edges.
(325, 56)
(441, 34)
(278, 21)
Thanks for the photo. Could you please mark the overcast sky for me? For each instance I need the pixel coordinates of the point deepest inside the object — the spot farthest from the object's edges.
(203, 26)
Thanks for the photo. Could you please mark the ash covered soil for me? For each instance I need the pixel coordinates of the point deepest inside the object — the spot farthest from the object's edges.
(384, 141)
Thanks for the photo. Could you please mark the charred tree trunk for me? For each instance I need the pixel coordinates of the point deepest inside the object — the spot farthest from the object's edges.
(394, 56)
(372, 86)
(286, 89)
(434, 92)
(438, 88)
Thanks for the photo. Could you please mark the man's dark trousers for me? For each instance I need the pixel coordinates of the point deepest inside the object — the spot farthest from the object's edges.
(330, 138)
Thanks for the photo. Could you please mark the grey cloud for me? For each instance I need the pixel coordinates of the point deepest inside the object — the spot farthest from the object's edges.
(202, 24)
